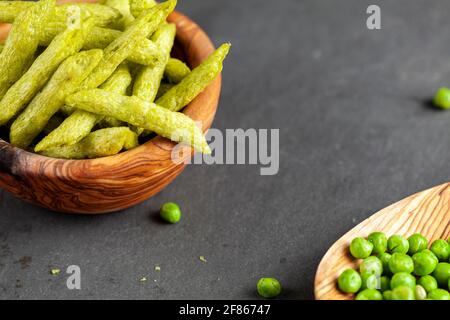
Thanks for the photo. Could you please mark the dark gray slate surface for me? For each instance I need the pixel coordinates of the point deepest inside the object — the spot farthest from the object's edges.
(356, 135)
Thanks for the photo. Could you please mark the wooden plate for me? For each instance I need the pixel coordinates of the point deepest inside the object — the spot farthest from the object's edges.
(427, 212)
(118, 182)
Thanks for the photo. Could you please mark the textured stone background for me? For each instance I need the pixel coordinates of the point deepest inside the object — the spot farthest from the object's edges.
(357, 134)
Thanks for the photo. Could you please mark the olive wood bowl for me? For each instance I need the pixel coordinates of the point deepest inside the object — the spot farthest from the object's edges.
(118, 182)
(427, 212)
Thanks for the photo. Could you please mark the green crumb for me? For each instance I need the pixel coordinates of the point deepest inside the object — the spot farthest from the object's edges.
(157, 268)
(203, 259)
(143, 279)
(55, 271)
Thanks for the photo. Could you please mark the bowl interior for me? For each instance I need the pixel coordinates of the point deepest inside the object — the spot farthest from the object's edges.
(192, 46)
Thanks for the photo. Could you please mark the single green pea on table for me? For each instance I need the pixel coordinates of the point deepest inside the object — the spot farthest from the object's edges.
(398, 268)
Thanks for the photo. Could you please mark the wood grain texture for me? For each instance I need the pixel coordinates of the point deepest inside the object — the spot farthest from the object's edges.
(118, 182)
(427, 212)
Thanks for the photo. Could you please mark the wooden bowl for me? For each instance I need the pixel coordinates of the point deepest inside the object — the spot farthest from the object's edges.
(121, 181)
(427, 212)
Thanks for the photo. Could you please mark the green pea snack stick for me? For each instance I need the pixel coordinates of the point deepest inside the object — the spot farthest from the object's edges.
(114, 55)
(124, 8)
(163, 89)
(22, 43)
(1, 47)
(101, 143)
(148, 79)
(137, 7)
(176, 70)
(80, 123)
(72, 130)
(118, 83)
(9, 10)
(64, 45)
(65, 81)
(197, 80)
(53, 123)
(119, 49)
(137, 112)
(104, 15)
(145, 52)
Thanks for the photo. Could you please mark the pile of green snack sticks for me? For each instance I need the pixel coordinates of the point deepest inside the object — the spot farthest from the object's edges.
(90, 80)
(397, 268)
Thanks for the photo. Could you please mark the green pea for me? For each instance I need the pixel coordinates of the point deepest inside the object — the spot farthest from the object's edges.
(385, 284)
(428, 283)
(401, 263)
(369, 294)
(441, 249)
(439, 294)
(170, 212)
(387, 295)
(349, 281)
(385, 258)
(360, 248)
(403, 279)
(442, 274)
(398, 244)
(442, 98)
(420, 293)
(268, 288)
(371, 265)
(370, 281)
(417, 243)
(424, 263)
(379, 241)
(403, 293)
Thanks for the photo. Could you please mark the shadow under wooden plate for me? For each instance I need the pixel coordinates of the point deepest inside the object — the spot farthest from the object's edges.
(426, 212)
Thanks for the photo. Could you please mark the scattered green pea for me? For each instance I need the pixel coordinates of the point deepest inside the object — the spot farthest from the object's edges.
(420, 293)
(417, 243)
(403, 279)
(385, 258)
(442, 274)
(385, 284)
(424, 263)
(268, 288)
(370, 281)
(387, 295)
(369, 294)
(371, 265)
(398, 244)
(170, 212)
(428, 283)
(439, 294)
(379, 241)
(403, 293)
(349, 281)
(388, 272)
(360, 248)
(441, 249)
(442, 98)
(400, 262)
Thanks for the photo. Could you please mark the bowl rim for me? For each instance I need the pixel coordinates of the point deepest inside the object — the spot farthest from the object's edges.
(204, 48)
